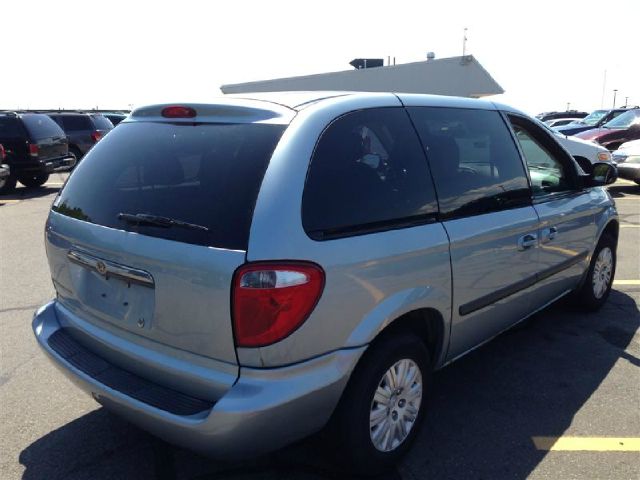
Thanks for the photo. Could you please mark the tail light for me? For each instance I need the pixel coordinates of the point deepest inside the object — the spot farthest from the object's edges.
(177, 111)
(33, 150)
(96, 135)
(3, 155)
(271, 300)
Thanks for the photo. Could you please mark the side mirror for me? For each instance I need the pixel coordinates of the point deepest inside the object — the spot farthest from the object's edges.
(603, 174)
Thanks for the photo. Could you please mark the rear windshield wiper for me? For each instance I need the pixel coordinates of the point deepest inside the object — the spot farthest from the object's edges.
(158, 221)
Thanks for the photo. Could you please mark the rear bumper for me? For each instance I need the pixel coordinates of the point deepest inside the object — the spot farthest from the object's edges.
(629, 171)
(264, 410)
(52, 165)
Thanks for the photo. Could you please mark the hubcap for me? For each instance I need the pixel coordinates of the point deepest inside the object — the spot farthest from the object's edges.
(602, 272)
(395, 405)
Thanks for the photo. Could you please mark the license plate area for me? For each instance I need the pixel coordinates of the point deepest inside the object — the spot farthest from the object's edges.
(109, 295)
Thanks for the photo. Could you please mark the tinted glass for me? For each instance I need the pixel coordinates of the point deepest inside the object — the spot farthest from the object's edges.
(625, 120)
(546, 172)
(101, 122)
(10, 127)
(205, 174)
(594, 117)
(368, 173)
(115, 119)
(76, 122)
(474, 160)
(41, 126)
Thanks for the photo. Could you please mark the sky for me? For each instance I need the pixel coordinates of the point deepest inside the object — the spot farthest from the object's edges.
(117, 54)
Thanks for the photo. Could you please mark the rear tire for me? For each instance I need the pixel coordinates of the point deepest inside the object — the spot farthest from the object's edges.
(76, 153)
(36, 180)
(7, 185)
(597, 284)
(380, 412)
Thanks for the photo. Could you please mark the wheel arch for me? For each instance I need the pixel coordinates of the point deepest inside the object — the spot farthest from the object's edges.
(426, 323)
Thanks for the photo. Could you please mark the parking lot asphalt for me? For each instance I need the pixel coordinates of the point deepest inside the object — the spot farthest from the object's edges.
(562, 374)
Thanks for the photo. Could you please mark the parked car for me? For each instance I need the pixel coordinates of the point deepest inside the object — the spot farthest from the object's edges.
(115, 117)
(83, 130)
(242, 274)
(586, 153)
(4, 169)
(34, 148)
(595, 119)
(628, 159)
(612, 134)
(543, 117)
(558, 122)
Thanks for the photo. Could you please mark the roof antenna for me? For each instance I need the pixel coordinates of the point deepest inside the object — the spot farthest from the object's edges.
(464, 42)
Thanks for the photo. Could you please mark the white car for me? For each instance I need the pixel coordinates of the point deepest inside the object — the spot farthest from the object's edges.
(581, 149)
(628, 159)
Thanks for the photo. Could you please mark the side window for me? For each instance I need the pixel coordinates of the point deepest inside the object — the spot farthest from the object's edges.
(474, 160)
(368, 173)
(547, 172)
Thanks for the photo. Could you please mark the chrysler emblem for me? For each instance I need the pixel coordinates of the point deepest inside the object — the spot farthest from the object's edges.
(101, 268)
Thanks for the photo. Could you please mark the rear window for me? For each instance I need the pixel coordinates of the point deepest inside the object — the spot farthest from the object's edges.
(41, 126)
(10, 127)
(101, 122)
(204, 174)
(76, 122)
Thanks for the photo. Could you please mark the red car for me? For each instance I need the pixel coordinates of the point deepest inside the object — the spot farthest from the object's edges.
(614, 133)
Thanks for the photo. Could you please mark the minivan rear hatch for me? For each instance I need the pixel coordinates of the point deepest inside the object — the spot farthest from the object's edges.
(146, 235)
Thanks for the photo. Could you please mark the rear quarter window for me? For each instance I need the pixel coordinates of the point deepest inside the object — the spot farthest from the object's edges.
(41, 126)
(204, 174)
(368, 173)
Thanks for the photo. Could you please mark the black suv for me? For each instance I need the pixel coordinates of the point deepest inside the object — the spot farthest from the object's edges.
(83, 129)
(34, 146)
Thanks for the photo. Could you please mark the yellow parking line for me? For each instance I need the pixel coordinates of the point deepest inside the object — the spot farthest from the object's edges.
(53, 184)
(587, 444)
(626, 282)
(9, 201)
(629, 225)
(619, 199)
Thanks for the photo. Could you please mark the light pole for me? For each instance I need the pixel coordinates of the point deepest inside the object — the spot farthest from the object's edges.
(626, 102)
(615, 92)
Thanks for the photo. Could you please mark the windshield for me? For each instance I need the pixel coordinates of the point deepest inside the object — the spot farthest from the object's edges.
(625, 120)
(593, 118)
(165, 174)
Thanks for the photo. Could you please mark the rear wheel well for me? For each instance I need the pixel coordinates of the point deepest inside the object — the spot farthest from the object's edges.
(425, 323)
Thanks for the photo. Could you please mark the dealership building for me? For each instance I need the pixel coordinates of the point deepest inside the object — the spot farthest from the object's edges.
(459, 76)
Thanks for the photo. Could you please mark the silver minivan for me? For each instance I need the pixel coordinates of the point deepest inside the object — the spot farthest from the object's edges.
(237, 275)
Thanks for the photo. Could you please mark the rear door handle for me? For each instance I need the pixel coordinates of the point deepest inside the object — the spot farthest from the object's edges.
(527, 241)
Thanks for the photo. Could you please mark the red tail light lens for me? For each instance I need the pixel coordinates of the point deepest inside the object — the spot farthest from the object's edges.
(96, 135)
(33, 150)
(2, 153)
(178, 112)
(271, 300)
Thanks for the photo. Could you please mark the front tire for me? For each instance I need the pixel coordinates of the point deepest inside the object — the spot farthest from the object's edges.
(35, 180)
(383, 405)
(602, 269)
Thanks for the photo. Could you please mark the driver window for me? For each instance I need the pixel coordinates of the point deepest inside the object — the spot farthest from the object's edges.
(547, 173)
